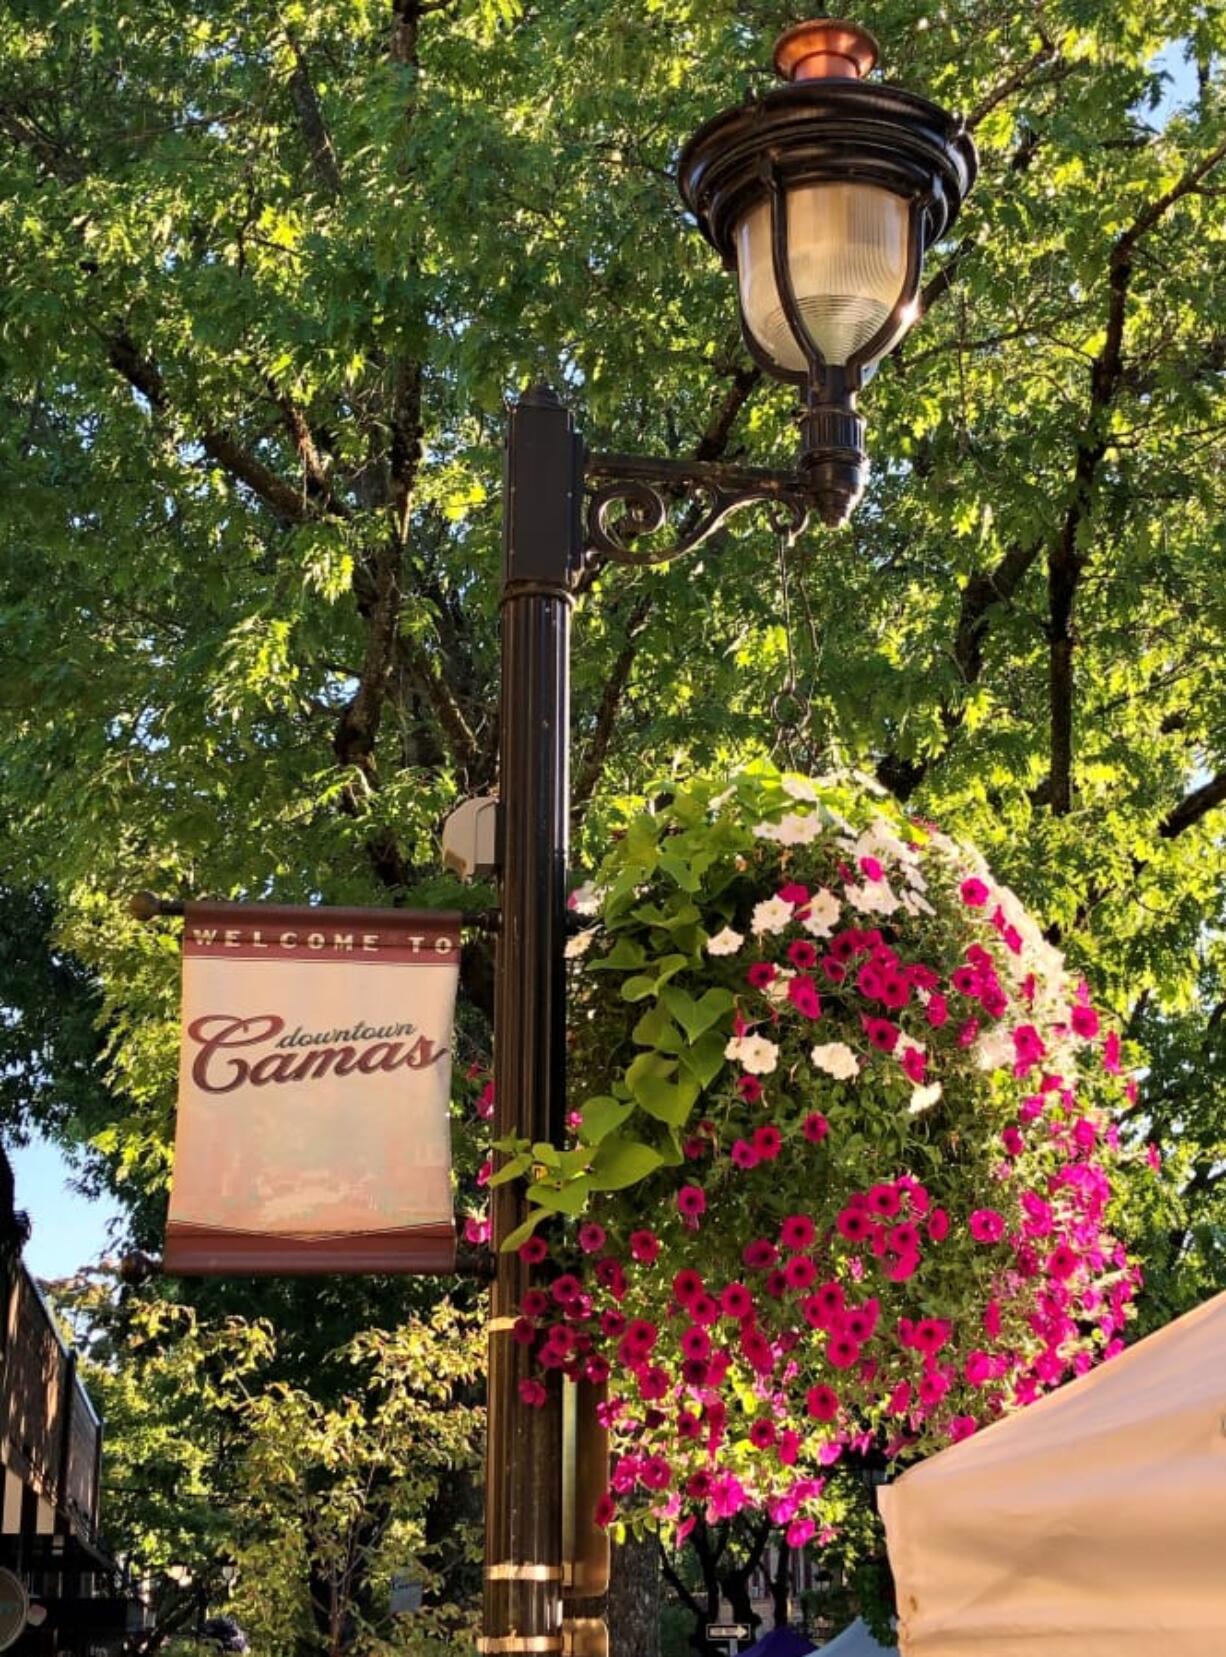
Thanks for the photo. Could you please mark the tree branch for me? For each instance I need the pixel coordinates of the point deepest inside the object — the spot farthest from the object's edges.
(311, 121)
(1193, 807)
(143, 374)
(1065, 561)
(1044, 55)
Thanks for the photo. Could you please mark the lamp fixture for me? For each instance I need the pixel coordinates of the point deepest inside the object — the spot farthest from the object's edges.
(824, 196)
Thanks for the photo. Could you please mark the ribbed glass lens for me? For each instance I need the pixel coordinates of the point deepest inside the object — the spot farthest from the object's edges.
(847, 252)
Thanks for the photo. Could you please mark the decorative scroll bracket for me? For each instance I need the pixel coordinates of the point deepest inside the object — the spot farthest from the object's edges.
(631, 496)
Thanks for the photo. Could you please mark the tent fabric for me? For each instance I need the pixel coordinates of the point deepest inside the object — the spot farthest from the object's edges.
(781, 1642)
(1091, 1524)
(856, 1641)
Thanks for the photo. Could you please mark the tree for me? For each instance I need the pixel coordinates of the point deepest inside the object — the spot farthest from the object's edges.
(269, 272)
(212, 1459)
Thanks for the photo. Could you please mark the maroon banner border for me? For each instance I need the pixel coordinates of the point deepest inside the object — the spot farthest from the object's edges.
(299, 932)
(207, 1251)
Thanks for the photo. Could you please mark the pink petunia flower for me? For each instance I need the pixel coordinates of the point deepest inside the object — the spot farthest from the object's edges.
(815, 1127)
(986, 1225)
(796, 1232)
(691, 1201)
(822, 1403)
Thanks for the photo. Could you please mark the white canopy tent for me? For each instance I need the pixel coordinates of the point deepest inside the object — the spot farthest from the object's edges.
(855, 1641)
(1092, 1524)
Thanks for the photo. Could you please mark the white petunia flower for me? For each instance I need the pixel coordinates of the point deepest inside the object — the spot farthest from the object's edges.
(766, 831)
(914, 904)
(836, 1059)
(586, 899)
(800, 788)
(824, 911)
(580, 943)
(876, 897)
(795, 830)
(726, 942)
(923, 1098)
(777, 989)
(771, 916)
(753, 1053)
(995, 1050)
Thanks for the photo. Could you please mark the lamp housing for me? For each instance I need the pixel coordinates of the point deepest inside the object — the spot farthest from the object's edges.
(823, 196)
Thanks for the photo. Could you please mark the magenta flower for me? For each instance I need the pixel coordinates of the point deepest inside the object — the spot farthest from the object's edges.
(937, 1010)
(641, 1335)
(1011, 1139)
(884, 1200)
(533, 1251)
(691, 1201)
(605, 1511)
(687, 1285)
(930, 1334)
(802, 993)
(767, 1142)
(760, 1254)
(794, 893)
(750, 1089)
(655, 1473)
(914, 1064)
(761, 973)
(736, 1301)
(762, 1434)
(854, 1224)
(842, 1352)
(822, 1403)
(815, 1127)
(1062, 1262)
(871, 869)
(644, 1246)
(532, 1392)
(695, 1342)
(938, 1225)
(882, 1034)
(743, 1154)
(796, 1232)
(903, 1238)
(802, 953)
(566, 1289)
(986, 1225)
(961, 1426)
(535, 1303)
(974, 893)
(799, 1272)
(1084, 1021)
(591, 1237)
(1028, 1047)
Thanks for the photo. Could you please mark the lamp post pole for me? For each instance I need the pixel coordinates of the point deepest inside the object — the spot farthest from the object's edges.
(541, 546)
(824, 195)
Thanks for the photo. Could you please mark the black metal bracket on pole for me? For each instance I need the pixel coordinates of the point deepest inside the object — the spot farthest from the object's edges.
(542, 496)
(631, 498)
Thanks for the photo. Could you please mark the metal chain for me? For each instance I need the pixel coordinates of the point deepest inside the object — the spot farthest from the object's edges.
(790, 709)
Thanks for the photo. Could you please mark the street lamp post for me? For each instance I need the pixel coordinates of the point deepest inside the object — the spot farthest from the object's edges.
(823, 195)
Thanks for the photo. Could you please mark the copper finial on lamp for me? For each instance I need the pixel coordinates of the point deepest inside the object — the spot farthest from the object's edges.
(824, 49)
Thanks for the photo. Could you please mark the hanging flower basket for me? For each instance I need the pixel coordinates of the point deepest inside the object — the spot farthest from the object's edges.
(842, 1157)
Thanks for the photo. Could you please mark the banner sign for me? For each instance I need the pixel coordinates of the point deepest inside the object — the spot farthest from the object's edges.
(314, 1080)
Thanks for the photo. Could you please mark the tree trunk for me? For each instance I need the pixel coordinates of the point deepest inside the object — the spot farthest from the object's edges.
(634, 1599)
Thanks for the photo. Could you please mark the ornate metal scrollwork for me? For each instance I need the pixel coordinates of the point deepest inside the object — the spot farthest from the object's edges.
(631, 498)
